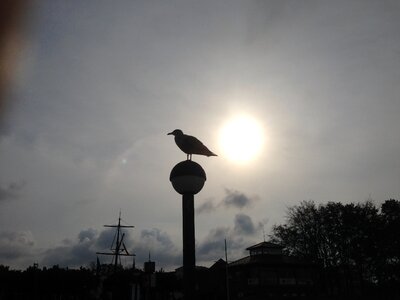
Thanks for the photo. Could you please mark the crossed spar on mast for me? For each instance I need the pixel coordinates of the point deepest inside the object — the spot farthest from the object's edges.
(120, 248)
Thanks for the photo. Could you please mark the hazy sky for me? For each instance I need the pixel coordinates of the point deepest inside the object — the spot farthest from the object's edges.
(101, 83)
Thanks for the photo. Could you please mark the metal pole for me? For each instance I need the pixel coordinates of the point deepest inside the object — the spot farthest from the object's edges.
(227, 275)
(117, 244)
(189, 259)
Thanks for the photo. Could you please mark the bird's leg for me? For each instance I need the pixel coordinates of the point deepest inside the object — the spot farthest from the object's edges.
(190, 156)
(187, 156)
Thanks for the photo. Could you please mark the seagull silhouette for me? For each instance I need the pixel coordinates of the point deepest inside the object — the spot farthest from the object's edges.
(190, 145)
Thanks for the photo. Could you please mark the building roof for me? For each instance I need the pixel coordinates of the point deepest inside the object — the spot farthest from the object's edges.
(264, 245)
(269, 260)
(218, 264)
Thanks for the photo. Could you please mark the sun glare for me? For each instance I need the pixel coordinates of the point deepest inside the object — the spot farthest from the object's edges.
(241, 139)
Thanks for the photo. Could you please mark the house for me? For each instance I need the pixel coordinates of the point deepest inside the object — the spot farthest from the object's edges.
(266, 273)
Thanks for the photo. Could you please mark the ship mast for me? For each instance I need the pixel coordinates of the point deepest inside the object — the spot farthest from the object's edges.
(120, 248)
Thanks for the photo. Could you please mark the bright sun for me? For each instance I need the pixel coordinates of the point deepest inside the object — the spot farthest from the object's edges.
(241, 139)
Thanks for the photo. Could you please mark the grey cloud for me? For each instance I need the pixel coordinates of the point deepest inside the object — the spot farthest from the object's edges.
(82, 251)
(87, 234)
(213, 244)
(206, 207)
(11, 191)
(159, 244)
(244, 224)
(73, 256)
(73, 253)
(233, 199)
(212, 247)
(105, 239)
(238, 238)
(15, 245)
(155, 234)
(236, 199)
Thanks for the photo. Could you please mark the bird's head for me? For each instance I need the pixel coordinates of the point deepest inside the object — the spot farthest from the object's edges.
(176, 132)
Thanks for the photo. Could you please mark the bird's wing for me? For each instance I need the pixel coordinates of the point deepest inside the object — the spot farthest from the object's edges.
(193, 144)
(187, 143)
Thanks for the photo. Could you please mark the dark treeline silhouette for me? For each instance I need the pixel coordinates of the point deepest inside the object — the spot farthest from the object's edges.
(106, 283)
(103, 282)
(355, 246)
(47, 283)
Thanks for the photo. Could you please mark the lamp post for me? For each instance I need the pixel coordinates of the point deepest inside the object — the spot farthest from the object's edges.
(188, 178)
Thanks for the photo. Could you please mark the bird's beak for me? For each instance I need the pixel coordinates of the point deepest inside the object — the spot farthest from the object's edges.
(169, 133)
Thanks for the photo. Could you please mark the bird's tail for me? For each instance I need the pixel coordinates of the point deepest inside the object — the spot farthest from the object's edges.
(211, 154)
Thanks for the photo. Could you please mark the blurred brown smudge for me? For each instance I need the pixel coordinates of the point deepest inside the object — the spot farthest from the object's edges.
(12, 17)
